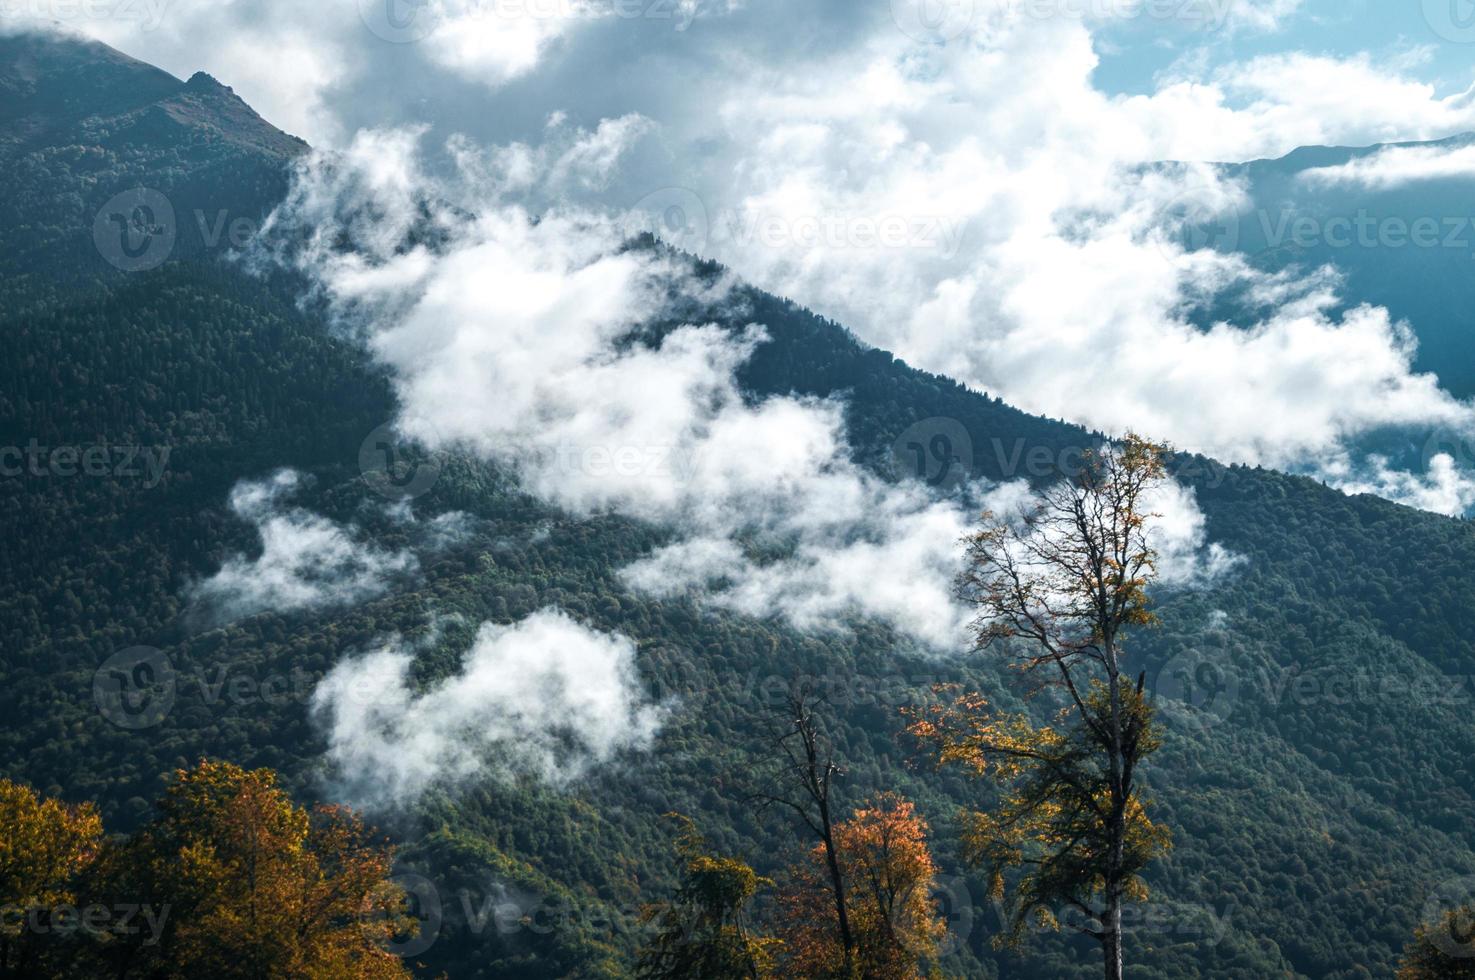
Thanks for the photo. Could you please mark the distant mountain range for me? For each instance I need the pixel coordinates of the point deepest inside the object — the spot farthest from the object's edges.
(1319, 793)
(1403, 240)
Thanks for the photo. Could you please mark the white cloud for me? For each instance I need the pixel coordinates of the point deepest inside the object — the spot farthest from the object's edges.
(519, 340)
(495, 41)
(307, 561)
(1444, 488)
(1398, 165)
(978, 206)
(1062, 284)
(546, 696)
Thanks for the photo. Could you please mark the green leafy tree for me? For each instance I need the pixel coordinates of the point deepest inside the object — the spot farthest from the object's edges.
(703, 932)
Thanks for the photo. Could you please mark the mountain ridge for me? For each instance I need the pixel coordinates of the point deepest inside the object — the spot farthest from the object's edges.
(1311, 826)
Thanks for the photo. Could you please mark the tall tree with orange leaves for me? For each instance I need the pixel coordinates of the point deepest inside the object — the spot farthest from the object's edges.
(1058, 587)
(888, 872)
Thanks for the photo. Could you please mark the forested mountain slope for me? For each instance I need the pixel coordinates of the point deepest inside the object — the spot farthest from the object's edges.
(1315, 802)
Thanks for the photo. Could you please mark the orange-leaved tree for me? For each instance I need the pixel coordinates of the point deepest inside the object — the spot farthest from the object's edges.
(45, 845)
(888, 872)
(1443, 949)
(258, 886)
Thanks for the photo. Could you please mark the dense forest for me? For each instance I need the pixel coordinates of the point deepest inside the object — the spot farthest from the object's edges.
(1320, 802)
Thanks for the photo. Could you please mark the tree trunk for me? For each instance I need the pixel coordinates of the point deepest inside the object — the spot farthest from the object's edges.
(1111, 943)
(837, 881)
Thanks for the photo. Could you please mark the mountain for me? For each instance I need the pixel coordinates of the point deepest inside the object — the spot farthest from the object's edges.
(1406, 244)
(88, 134)
(1316, 801)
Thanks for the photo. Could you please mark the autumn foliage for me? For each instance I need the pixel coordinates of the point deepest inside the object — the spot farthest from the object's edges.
(44, 847)
(238, 880)
(888, 874)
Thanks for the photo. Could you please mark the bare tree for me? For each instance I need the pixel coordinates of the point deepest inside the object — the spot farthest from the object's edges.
(804, 784)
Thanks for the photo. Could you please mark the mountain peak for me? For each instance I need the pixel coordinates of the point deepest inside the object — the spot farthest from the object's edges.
(56, 88)
(202, 81)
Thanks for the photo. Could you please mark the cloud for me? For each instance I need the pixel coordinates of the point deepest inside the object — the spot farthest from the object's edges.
(953, 183)
(306, 560)
(1179, 535)
(495, 41)
(526, 340)
(1443, 488)
(1398, 165)
(546, 696)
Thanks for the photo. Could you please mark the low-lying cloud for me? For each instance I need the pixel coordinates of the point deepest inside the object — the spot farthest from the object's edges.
(1397, 166)
(546, 697)
(524, 339)
(307, 561)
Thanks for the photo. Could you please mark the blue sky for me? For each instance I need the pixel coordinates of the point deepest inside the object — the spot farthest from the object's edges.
(1437, 35)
